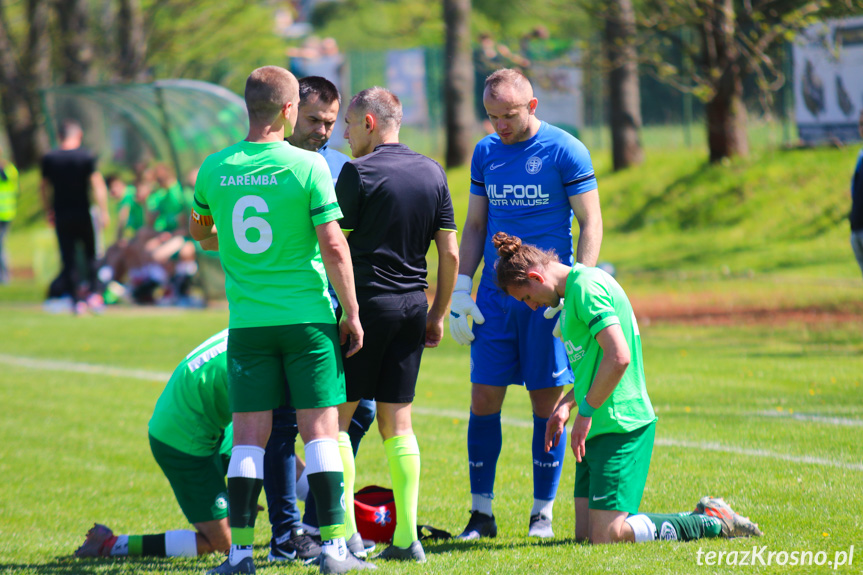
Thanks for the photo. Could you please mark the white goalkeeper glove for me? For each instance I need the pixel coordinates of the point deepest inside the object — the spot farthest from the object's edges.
(461, 307)
(550, 313)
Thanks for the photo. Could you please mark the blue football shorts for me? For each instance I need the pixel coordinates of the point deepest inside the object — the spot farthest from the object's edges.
(515, 345)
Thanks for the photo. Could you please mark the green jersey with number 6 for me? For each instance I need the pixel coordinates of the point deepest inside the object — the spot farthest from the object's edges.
(266, 199)
(593, 302)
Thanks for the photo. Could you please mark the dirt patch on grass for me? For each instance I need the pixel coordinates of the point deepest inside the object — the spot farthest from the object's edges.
(708, 309)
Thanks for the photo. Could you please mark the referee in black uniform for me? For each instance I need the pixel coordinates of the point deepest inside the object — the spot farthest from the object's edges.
(395, 202)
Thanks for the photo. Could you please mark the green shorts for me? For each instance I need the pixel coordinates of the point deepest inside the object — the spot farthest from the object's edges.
(198, 482)
(262, 359)
(613, 472)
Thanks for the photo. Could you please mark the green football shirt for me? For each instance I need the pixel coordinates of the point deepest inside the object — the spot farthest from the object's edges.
(266, 199)
(594, 301)
(135, 220)
(167, 205)
(192, 411)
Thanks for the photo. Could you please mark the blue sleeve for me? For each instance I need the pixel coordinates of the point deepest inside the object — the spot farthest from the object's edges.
(857, 180)
(477, 178)
(576, 168)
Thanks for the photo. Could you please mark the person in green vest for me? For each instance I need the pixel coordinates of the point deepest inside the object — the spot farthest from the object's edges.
(613, 431)
(131, 206)
(8, 209)
(165, 203)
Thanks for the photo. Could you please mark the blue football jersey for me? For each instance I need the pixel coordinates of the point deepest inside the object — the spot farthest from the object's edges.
(528, 185)
(335, 160)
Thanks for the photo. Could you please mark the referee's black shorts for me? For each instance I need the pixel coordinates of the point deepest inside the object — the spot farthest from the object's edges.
(386, 368)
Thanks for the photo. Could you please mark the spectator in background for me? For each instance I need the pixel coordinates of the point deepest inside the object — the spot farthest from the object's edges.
(533, 46)
(317, 57)
(8, 209)
(166, 203)
(67, 175)
(127, 252)
(169, 249)
(130, 206)
(856, 216)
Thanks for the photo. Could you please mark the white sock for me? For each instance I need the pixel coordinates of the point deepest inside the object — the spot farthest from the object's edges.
(642, 527)
(181, 543)
(336, 548)
(246, 461)
(543, 507)
(121, 546)
(481, 503)
(238, 553)
(303, 486)
(322, 455)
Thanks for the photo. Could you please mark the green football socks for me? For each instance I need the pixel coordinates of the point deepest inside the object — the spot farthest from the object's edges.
(684, 526)
(243, 500)
(347, 454)
(180, 543)
(403, 455)
(326, 482)
(245, 481)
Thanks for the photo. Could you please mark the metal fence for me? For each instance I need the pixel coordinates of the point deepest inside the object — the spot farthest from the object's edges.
(670, 117)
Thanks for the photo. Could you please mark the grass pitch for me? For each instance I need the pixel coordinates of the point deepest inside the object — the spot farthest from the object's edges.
(768, 416)
(762, 405)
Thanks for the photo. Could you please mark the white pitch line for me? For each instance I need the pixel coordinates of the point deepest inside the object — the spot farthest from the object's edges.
(759, 453)
(816, 418)
(703, 446)
(77, 367)
(95, 369)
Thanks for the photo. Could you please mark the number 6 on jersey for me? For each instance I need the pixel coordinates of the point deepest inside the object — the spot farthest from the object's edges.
(241, 225)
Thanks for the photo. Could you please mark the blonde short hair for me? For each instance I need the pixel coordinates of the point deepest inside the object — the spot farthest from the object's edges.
(268, 89)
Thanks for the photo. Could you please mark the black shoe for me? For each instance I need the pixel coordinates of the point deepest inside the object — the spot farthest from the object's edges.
(246, 566)
(300, 547)
(480, 525)
(414, 552)
(329, 564)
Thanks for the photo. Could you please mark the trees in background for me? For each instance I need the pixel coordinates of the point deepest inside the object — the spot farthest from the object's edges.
(458, 83)
(48, 42)
(735, 38)
(51, 42)
(623, 87)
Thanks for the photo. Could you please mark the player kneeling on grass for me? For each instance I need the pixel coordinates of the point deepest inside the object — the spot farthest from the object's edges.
(613, 432)
(191, 438)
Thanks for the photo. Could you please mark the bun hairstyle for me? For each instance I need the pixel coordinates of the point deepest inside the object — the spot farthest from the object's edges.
(506, 245)
(517, 259)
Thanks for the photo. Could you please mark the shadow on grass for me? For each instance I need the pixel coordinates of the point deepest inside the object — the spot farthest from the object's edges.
(111, 565)
(458, 546)
(68, 565)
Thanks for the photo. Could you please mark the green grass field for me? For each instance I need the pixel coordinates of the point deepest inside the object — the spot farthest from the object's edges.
(764, 407)
(767, 416)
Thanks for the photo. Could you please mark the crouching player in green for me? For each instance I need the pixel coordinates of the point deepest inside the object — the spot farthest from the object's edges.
(612, 436)
(191, 437)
